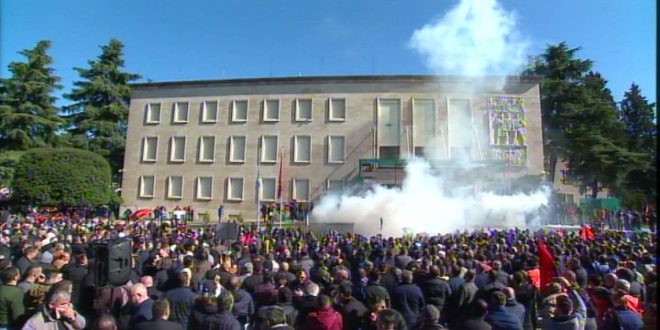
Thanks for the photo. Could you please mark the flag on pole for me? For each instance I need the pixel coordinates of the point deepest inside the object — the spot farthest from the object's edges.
(586, 233)
(546, 264)
(381, 223)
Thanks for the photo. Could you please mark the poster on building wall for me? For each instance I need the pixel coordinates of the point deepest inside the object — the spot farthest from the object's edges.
(507, 129)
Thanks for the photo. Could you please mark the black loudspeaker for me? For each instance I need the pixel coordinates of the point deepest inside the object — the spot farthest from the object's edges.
(226, 230)
(112, 263)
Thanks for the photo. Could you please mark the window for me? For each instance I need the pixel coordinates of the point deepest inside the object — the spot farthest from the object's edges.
(180, 112)
(335, 185)
(153, 113)
(175, 187)
(237, 149)
(178, 149)
(210, 111)
(149, 149)
(269, 149)
(239, 111)
(207, 149)
(204, 187)
(235, 189)
(303, 110)
(302, 148)
(268, 189)
(147, 183)
(460, 128)
(337, 110)
(336, 149)
(423, 122)
(301, 190)
(271, 110)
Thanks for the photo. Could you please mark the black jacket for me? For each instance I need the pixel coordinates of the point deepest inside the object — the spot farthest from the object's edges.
(75, 273)
(409, 301)
(375, 290)
(220, 321)
(436, 291)
(181, 302)
(160, 325)
(351, 313)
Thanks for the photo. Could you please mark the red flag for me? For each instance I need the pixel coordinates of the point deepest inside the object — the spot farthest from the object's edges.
(280, 178)
(546, 264)
(586, 233)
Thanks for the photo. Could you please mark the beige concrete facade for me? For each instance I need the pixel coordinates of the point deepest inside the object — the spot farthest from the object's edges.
(363, 96)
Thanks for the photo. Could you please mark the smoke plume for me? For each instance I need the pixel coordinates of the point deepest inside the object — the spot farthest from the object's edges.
(474, 39)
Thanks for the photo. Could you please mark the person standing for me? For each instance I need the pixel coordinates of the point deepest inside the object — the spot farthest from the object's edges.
(408, 299)
(160, 312)
(11, 299)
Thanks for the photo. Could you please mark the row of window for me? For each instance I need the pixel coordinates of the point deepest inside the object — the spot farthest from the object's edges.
(234, 188)
(270, 111)
(268, 147)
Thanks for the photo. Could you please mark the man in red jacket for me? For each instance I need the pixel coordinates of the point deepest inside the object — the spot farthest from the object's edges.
(325, 318)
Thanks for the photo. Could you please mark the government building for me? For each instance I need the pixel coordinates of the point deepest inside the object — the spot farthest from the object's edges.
(240, 143)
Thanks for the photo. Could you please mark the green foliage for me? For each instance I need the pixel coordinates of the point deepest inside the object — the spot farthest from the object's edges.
(28, 116)
(8, 161)
(638, 117)
(99, 116)
(62, 177)
(581, 121)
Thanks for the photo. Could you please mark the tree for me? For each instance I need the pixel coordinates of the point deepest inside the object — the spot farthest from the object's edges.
(28, 116)
(638, 116)
(581, 122)
(99, 115)
(62, 177)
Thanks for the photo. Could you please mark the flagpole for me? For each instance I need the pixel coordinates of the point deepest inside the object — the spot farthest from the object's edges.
(258, 186)
(282, 184)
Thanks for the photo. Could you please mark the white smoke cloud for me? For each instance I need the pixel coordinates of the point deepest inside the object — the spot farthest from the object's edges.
(424, 204)
(474, 39)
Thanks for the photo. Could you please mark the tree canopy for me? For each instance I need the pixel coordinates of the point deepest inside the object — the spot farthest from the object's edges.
(28, 116)
(62, 177)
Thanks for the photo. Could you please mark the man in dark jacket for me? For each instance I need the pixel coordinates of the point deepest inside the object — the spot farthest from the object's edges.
(142, 306)
(76, 272)
(436, 290)
(513, 306)
(182, 299)
(408, 299)
(374, 291)
(161, 312)
(498, 317)
(620, 317)
(430, 319)
(28, 258)
(223, 319)
(474, 317)
(351, 309)
(11, 299)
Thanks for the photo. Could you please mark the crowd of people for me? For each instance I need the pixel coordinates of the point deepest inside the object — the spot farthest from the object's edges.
(185, 277)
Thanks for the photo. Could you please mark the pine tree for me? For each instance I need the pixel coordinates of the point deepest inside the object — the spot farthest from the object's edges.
(28, 115)
(99, 115)
(638, 116)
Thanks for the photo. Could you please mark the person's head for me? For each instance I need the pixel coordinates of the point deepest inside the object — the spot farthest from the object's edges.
(301, 275)
(509, 293)
(161, 309)
(30, 252)
(225, 302)
(622, 286)
(312, 289)
(147, 281)
(374, 275)
(345, 291)
(275, 316)
(63, 285)
(609, 280)
(184, 278)
(324, 301)
(59, 300)
(105, 322)
(387, 320)
(406, 276)
(284, 266)
(138, 293)
(430, 314)
(564, 306)
(469, 276)
(377, 305)
(34, 273)
(498, 298)
(10, 276)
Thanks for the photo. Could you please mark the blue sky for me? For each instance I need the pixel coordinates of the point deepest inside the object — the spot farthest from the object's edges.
(170, 40)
